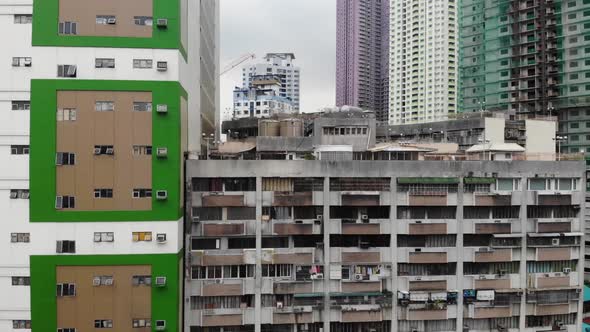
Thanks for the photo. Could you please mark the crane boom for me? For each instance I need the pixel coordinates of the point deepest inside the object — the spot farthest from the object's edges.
(237, 62)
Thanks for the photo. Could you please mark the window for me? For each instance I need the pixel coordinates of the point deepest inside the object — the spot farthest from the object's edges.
(142, 106)
(66, 289)
(21, 324)
(21, 281)
(23, 19)
(68, 28)
(22, 61)
(219, 272)
(574, 125)
(66, 247)
(103, 323)
(108, 150)
(104, 63)
(142, 193)
(141, 322)
(66, 114)
(19, 193)
(66, 71)
(106, 19)
(142, 63)
(102, 281)
(574, 138)
(143, 20)
(538, 184)
(65, 202)
(21, 105)
(141, 280)
(139, 150)
(142, 236)
(567, 184)
(507, 184)
(65, 158)
(573, 76)
(66, 329)
(20, 237)
(276, 270)
(104, 237)
(103, 193)
(19, 149)
(104, 106)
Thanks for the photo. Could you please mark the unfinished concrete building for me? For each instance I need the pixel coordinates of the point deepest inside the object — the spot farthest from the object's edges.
(354, 246)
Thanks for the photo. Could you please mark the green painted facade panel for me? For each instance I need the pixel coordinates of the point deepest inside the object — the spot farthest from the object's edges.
(166, 132)
(45, 29)
(165, 300)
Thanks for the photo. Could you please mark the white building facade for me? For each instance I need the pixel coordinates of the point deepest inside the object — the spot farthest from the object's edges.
(423, 61)
(141, 65)
(280, 64)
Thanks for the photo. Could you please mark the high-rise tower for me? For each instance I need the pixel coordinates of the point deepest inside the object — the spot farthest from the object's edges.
(362, 54)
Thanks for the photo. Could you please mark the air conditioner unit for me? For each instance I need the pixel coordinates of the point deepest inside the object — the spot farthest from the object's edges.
(559, 324)
(279, 305)
(161, 238)
(554, 242)
(160, 281)
(196, 219)
(25, 195)
(364, 245)
(503, 272)
(162, 195)
(357, 277)
(112, 20)
(319, 276)
(110, 151)
(320, 217)
(482, 277)
(96, 151)
(96, 281)
(365, 218)
(162, 66)
(299, 221)
(485, 249)
(162, 152)
(14, 194)
(162, 108)
(567, 270)
(162, 23)
(28, 62)
(108, 281)
(160, 325)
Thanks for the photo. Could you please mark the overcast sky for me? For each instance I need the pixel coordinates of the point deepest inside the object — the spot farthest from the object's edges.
(304, 27)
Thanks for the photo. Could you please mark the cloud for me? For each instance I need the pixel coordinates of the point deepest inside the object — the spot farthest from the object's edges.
(304, 27)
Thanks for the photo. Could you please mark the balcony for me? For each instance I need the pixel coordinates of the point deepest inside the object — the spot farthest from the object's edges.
(426, 227)
(427, 255)
(350, 286)
(271, 286)
(554, 198)
(215, 258)
(427, 311)
(356, 227)
(296, 198)
(215, 229)
(225, 200)
(491, 226)
(352, 256)
(550, 225)
(292, 227)
(359, 198)
(489, 255)
(486, 311)
(292, 315)
(222, 287)
(554, 280)
(222, 317)
(297, 256)
(491, 199)
(553, 254)
(492, 281)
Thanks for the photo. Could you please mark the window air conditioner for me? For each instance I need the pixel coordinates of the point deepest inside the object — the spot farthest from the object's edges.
(554, 242)
(160, 281)
(25, 195)
(96, 281)
(358, 277)
(162, 66)
(279, 305)
(96, 151)
(14, 194)
(108, 281)
(162, 152)
(163, 108)
(320, 217)
(160, 325)
(162, 23)
(162, 195)
(161, 238)
(112, 20)
(59, 202)
(567, 270)
(110, 151)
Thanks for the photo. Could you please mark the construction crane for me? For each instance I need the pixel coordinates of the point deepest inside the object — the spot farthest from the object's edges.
(237, 62)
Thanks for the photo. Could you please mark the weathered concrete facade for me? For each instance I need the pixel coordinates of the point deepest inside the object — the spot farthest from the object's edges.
(384, 246)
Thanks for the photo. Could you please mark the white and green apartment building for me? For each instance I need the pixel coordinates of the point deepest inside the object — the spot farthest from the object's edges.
(423, 61)
(101, 101)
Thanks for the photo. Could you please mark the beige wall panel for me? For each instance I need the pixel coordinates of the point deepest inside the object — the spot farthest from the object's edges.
(123, 129)
(84, 12)
(121, 302)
